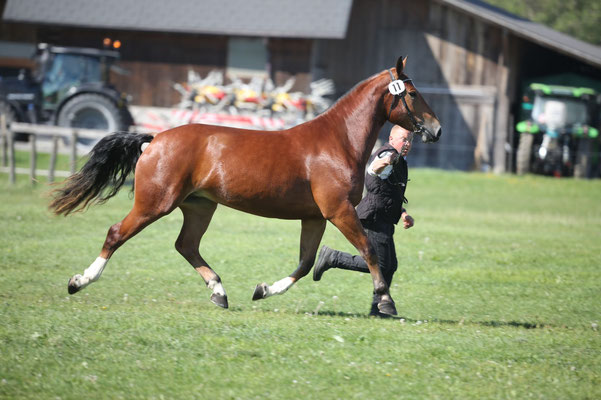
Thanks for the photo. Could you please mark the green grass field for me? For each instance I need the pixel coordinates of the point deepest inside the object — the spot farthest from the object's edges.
(498, 291)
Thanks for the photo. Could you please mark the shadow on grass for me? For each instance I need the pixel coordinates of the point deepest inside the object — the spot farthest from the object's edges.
(493, 324)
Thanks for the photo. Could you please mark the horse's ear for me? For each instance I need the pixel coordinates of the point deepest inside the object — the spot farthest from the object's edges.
(400, 64)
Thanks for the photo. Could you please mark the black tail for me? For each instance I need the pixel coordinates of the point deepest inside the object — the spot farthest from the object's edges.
(112, 159)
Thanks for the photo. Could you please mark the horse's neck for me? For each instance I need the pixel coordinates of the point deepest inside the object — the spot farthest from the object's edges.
(358, 117)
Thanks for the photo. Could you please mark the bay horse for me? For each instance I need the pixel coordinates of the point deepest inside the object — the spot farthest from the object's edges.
(313, 172)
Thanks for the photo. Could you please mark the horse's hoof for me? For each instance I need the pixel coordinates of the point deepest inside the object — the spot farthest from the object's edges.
(260, 291)
(72, 286)
(387, 307)
(220, 300)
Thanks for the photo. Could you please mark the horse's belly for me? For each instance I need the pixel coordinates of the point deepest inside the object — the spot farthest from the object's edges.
(272, 210)
(280, 205)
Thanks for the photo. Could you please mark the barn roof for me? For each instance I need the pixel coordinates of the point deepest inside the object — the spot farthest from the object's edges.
(270, 18)
(327, 19)
(529, 30)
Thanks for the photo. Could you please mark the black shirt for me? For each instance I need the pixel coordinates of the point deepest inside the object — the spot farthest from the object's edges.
(384, 199)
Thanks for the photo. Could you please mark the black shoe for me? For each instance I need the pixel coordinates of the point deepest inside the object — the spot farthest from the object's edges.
(323, 262)
(375, 312)
(387, 307)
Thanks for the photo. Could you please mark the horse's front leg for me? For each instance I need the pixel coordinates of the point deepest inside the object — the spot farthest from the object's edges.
(311, 234)
(346, 220)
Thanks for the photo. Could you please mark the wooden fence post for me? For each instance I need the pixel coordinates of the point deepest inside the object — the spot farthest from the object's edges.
(73, 151)
(12, 176)
(33, 156)
(55, 134)
(53, 156)
(3, 139)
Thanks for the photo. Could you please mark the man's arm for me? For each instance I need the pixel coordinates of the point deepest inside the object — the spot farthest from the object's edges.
(381, 166)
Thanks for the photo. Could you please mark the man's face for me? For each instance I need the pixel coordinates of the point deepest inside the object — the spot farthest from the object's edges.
(401, 139)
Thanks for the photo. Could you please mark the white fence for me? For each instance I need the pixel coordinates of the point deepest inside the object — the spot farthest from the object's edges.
(54, 138)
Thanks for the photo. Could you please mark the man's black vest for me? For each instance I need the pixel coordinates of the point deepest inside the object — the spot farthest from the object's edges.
(384, 199)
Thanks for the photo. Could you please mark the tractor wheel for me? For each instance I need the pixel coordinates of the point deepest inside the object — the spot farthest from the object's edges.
(524, 153)
(583, 158)
(11, 116)
(92, 111)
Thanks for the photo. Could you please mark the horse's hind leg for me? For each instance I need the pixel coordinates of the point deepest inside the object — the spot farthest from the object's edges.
(147, 209)
(118, 234)
(197, 216)
(311, 234)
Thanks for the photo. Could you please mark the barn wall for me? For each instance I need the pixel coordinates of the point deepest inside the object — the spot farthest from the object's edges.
(156, 61)
(20, 36)
(155, 64)
(291, 58)
(459, 64)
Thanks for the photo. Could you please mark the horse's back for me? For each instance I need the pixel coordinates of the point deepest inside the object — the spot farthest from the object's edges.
(261, 172)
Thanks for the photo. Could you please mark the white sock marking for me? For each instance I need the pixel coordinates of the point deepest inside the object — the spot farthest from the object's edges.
(280, 286)
(91, 274)
(216, 287)
(94, 271)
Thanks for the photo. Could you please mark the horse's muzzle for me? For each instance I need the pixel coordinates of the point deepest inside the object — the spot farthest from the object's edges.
(438, 134)
(429, 137)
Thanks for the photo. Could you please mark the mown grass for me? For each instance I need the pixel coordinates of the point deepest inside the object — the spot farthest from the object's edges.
(498, 289)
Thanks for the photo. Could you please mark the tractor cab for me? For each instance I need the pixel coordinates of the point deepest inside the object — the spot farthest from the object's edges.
(557, 130)
(64, 71)
(68, 86)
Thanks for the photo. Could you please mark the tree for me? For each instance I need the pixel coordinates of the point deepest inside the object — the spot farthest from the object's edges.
(578, 18)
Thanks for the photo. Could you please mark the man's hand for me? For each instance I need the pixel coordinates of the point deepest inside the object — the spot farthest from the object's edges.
(408, 221)
(379, 164)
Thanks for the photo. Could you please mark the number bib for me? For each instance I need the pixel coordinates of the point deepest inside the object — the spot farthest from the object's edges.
(396, 87)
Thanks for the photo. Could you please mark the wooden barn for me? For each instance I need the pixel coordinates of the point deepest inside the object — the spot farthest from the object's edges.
(467, 58)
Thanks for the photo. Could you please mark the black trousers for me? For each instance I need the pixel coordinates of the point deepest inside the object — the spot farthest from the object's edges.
(380, 236)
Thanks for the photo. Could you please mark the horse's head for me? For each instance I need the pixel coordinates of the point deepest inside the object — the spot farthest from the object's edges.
(406, 107)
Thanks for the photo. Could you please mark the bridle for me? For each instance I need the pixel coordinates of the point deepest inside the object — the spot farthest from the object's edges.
(418, 127)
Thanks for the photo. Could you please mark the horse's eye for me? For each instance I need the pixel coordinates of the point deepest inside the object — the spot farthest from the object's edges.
(413, 94)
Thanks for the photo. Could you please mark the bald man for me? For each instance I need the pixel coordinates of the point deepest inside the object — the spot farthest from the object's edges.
(379, 211)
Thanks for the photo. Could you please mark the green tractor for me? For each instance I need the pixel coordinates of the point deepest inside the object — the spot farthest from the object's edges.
(69, 86)
(557, 131)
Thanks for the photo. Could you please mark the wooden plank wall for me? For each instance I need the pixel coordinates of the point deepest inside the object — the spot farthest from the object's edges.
(151, 84)
(155, 64)
(459, 64)
(291, 58)
(156, 60)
